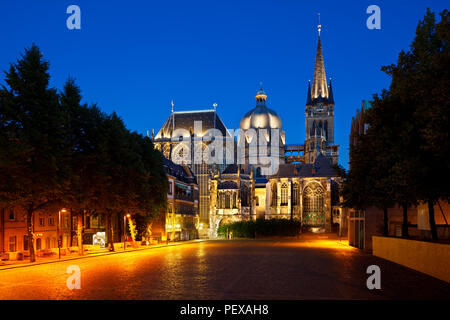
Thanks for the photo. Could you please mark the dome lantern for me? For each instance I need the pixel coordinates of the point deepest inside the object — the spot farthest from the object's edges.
(260, 117)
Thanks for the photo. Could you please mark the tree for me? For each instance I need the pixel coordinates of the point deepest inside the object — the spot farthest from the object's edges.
(84, 156)
(420, 82)
(32, 172)
(403, 156)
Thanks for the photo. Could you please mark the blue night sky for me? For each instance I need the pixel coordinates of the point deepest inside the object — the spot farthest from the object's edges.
(134, 57)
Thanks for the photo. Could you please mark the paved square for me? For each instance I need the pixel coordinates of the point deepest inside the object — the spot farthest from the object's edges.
(311, 267)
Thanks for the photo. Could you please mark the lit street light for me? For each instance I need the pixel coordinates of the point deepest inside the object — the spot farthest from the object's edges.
(58, 231)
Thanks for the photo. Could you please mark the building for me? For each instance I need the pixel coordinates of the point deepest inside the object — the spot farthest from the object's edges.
(261, 138)
(180, 220)
(319, 114)
(191, 138)
(46, 227)
(232, 197)
(261, 176)
(307, 192)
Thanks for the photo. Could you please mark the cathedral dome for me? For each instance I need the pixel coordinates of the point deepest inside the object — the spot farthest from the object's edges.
(260, 117)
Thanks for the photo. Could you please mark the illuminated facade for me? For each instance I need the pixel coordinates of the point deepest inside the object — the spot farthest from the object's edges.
(307, 192)
(186, 136)
(180, 220)
(231, 197)
(302, 185)
(319, 114)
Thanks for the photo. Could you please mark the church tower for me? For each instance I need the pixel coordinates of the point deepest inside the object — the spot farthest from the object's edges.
(319, 114)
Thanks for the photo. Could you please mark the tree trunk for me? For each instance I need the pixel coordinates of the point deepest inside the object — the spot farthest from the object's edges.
(30, 234)
(434, 235)
(110, 232)
(80, 233)
(405, 233)
(386, 222)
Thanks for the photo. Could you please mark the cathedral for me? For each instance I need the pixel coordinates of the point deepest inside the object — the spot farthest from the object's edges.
(256, 174)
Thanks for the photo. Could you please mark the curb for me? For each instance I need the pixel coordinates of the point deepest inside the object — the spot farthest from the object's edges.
(93, 255)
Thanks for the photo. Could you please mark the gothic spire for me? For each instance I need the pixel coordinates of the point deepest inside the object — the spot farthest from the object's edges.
(308, 99)
(330, 93)
(319, 88)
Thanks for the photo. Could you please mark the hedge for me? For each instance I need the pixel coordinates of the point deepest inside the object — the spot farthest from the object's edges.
(261, 227)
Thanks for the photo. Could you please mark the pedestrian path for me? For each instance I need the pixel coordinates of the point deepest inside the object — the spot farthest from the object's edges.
(5, 265)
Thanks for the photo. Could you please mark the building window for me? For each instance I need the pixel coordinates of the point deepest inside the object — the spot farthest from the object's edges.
(170, 187)
(47, 243)
(166, 151)
(227, 201)
(12, 244)
(244, 197)
(38, 244)
(51, 221)
(257, 201)
(25, 243)
(284, 194)
(12, 215)
(41, 221)
(295, 194)
(274, 195)
(313, 205)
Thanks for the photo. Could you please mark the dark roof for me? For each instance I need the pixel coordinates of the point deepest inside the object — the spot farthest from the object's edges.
(233, 169)
(260, 182)
(320, 168)
(185, 120)
(227, 185)
(181, 173)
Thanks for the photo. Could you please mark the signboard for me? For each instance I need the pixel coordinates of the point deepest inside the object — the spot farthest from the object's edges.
(99, 239)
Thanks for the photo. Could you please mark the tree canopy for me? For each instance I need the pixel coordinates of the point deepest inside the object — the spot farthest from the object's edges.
(403, 156)
(56, 151)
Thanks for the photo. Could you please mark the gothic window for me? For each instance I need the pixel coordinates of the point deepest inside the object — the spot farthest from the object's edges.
(227, 201)
(257, 201)
(295, 194)
(244, 197)
(167, 151)
(221, 200)
(274, 195)
(326, 129)
(313, 205)
(181, 154)
(234, 200)
(284, 194)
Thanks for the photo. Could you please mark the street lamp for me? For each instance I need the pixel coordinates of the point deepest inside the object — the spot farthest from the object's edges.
(125, 229)
(58, 231)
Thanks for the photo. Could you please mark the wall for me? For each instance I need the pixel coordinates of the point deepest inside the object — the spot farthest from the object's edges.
(427, 257)
(374, 222)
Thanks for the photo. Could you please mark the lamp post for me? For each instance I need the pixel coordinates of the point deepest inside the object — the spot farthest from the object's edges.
(58, 231)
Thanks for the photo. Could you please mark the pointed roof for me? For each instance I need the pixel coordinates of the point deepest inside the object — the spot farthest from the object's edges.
(308, 99)
(330, 93)
(319, 88)
(186, 119)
